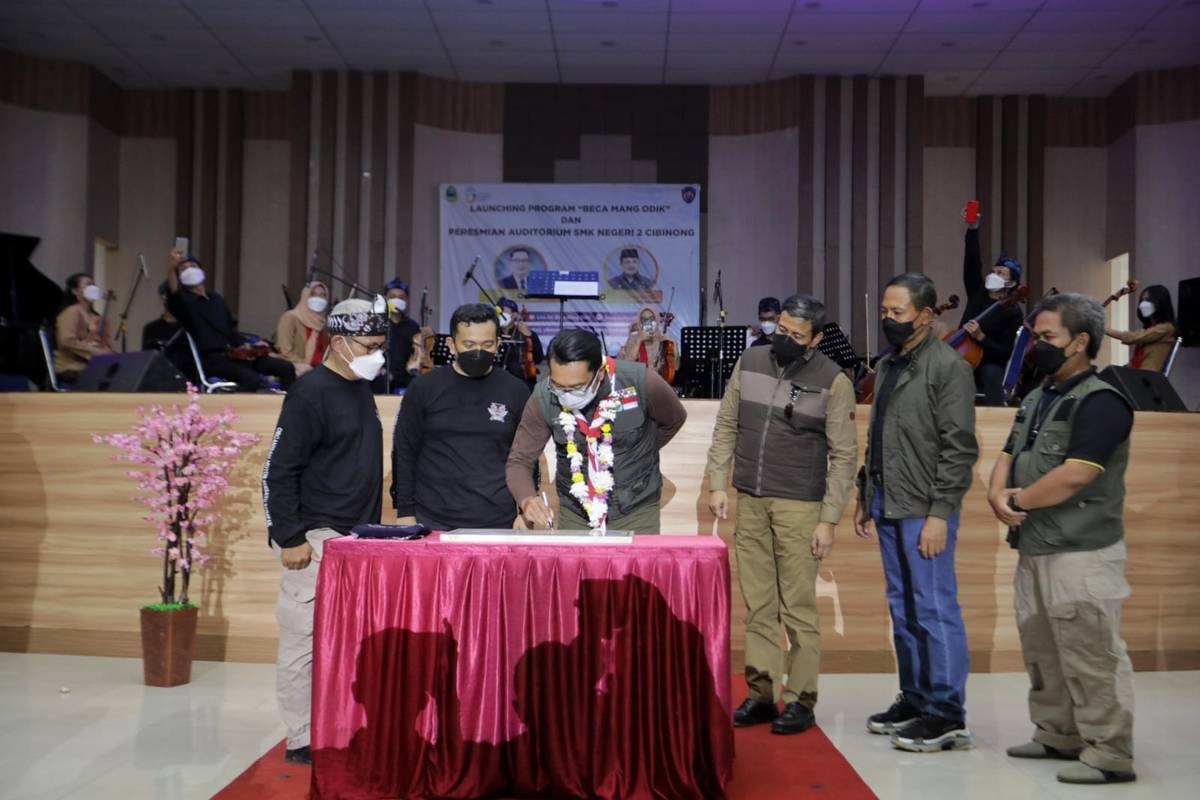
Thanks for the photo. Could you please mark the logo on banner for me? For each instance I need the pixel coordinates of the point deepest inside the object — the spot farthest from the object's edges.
(451, 194)
(689, 193)
(497, 412)
(469, 194)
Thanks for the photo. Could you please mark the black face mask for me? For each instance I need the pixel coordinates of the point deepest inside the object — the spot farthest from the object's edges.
(897, 333)
(787, 349)
(1047, 358)
(476, 363)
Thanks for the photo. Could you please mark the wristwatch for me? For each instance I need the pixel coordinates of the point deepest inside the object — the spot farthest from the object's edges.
(1015, 506)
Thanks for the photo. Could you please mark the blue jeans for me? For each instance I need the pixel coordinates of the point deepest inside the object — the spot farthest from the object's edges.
(927, 623)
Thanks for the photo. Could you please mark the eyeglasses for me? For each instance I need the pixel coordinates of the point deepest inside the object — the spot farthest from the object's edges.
(371, 349)
(798, 338)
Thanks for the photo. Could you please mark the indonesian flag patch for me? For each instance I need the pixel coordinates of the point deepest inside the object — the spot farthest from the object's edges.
(629, 398)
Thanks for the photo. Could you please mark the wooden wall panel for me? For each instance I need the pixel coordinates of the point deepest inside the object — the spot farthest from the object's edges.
(300, 107)
(77, 563)
(950, 121)
(805, 92)
(459, 105)
(185, 151)
(915, 172)
(268, 114)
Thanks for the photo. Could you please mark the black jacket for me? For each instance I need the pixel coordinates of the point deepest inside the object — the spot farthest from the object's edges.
(1001, 325)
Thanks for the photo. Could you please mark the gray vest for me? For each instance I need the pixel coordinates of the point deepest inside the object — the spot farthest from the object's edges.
(636, 477)
(777, 455)
(1093, 518)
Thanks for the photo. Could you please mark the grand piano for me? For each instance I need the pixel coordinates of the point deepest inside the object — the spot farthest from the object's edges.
(28, 300)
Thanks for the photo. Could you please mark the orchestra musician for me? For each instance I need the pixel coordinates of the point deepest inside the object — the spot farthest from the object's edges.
(524, 348)
(79, 328)
(402, 329)
(997, 332)
(650, 345)
(1151, 345)
(300, 334)
(768, 319)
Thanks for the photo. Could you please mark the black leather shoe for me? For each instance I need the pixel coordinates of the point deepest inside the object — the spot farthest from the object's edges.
(301, 755)
(754, 712)
(796, 717)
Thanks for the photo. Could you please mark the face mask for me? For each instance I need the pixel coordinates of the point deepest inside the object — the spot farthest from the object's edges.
(577, 399)
(506, 319)
(365, 367)
(192, 276)
(397, 305)
(476, 363)
(897, 333)
(317, 304)
(647, 326)
(768, 328)
(1146, 308)
(993, 282)
(92, 293)
(1047, 358)
(787, 349)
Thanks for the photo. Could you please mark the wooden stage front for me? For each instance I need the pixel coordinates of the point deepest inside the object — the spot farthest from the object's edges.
(76, 565)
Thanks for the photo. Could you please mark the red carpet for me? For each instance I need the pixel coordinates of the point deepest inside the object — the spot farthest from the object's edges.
(767, 767)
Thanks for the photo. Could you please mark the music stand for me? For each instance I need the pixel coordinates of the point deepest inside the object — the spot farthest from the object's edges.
(562, 285)
(837, 347)
(704, 372)
(440, 354)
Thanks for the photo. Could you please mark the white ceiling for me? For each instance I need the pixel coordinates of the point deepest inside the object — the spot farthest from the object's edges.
(1072, 47)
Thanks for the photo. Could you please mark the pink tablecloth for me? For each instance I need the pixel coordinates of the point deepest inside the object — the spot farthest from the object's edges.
(461, 670)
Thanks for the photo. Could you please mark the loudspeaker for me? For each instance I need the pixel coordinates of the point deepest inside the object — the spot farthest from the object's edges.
(147, 371)
(1189, 312)
(1145, 390)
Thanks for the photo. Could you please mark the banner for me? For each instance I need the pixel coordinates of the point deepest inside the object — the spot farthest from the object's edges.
(643, 239)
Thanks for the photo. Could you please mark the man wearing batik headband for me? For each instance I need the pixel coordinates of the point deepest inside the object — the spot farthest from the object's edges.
(402, 331)
(323, 476)
(608, 419)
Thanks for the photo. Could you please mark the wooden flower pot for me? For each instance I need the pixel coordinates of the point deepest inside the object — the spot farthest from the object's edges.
(168, 643)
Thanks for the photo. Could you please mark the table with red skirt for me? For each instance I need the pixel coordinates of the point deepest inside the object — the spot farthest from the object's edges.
(455, 670)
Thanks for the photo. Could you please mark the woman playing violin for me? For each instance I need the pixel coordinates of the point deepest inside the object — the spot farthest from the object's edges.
(651, 346)
(524, 349)
(79, 328)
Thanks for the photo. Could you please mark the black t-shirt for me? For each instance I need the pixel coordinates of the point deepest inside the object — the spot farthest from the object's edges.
(1104, 420)
(207, 319)
(1001, 325)
(452, 438)
(399, 349)
(883, 394)
(325, 464)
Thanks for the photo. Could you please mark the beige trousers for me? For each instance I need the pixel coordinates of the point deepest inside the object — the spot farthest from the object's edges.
(293, 665)
(1081, 681)
(778, 576)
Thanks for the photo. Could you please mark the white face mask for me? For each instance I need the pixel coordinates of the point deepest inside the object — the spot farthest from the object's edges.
(577, 399)
(318, 304)
(92, 293)
(192, 276)
(397, 305)
(365, 367)
(993, 282)
(768, 328)
(506, 319)
(648, 326)
(1146, 308)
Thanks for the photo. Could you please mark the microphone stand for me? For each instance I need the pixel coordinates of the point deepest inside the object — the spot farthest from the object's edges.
(123, 327)
(354, 285)
(718, 385)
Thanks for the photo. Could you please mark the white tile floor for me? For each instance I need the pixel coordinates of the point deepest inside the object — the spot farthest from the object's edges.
(111, 737)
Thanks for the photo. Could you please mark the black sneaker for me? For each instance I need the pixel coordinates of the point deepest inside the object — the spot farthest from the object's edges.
(301, 755)
(901, 713)
(754, 712)
(796, 717)
(931, 734)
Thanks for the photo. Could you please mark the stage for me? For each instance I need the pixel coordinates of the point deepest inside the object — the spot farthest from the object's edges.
(76, 560)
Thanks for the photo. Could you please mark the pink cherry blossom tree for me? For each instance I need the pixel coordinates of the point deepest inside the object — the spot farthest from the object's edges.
(183, 457)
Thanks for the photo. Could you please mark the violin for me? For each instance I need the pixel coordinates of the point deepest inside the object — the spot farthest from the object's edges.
(864, 390)
(1130, 287)
(248, 352)
(966, 346)
(528, 366)
(667, 357)
(421, 359)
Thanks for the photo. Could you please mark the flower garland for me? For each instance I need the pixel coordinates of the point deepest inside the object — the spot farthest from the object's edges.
(592, 492)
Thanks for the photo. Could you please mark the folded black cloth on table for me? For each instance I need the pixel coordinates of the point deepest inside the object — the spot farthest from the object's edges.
(390, 531)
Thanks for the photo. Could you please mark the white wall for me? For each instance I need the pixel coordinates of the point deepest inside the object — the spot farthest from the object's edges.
(265, 190)
(753, 201)
(442, 156)
(43, 186)
(1168, 234)
(949, 184)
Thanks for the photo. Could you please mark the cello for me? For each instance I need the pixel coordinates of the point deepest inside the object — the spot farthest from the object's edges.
(966, 346)
(864, 390)
(529, 367)
(421, 359)
(666, 347)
